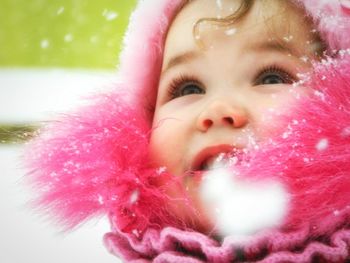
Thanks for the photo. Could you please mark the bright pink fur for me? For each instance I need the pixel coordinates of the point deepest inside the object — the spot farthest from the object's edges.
(95, 162)
(318, 180)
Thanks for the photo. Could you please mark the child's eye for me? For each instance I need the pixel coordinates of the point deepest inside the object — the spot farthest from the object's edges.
(274, 75)
(184, 86)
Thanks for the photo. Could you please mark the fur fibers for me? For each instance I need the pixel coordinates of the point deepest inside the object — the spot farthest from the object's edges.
(95, 162)
(311, 155)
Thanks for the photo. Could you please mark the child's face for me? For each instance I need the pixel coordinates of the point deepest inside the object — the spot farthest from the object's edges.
(222, 97)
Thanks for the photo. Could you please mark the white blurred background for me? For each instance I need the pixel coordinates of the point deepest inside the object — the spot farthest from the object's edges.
(27, 97)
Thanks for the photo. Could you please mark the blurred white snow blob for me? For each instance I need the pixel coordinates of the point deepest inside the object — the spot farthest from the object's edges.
(240, 208)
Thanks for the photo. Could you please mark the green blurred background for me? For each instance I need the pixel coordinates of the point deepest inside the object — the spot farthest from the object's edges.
(46, 42)
(62, 33)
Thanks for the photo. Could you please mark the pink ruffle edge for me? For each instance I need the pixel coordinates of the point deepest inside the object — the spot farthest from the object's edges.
(174, 245)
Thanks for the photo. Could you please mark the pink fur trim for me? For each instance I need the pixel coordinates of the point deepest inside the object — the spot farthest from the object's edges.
(311, 157)
(94, 162)
(141, 58)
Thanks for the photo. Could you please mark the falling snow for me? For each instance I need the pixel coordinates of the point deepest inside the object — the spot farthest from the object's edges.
(44, 43)
(100, 199)
(285, 135)
(161, 170)
(343, 52)
(333, 21)
(60, 10)
(93, 39)
(288, 38)
(304, 59)
(346, 131)
(322, 145)
(134, 196)
(68, 38)
(320, 95)
(109, 15)
(230, 31)
(219, 4)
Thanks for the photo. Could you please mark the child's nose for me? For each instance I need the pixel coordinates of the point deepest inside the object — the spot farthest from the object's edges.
(221, 114)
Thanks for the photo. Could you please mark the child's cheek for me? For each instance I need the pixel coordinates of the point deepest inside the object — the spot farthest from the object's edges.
(164, 151)
(279, 110)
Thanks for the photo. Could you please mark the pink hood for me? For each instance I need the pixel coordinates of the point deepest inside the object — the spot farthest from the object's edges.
(94, 161)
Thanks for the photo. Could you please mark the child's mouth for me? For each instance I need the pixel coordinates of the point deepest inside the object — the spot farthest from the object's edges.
(221, 160)
(216, 157)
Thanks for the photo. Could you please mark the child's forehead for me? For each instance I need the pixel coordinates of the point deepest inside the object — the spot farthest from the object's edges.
(265, 13)
(266, 20)
(220, 8)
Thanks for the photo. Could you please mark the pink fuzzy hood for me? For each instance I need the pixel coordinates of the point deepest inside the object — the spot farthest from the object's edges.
(94, 161)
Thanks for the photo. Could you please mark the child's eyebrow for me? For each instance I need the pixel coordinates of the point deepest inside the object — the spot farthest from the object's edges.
(315, 47)
(179, 59)
(274, 45)
(261, 46)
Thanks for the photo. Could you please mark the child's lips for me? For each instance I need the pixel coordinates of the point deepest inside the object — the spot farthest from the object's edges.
(216, 156)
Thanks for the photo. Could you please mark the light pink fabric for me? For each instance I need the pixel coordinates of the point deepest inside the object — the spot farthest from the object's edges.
(174, 245)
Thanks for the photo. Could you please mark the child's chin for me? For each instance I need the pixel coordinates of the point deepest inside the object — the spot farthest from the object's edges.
(186, 204)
